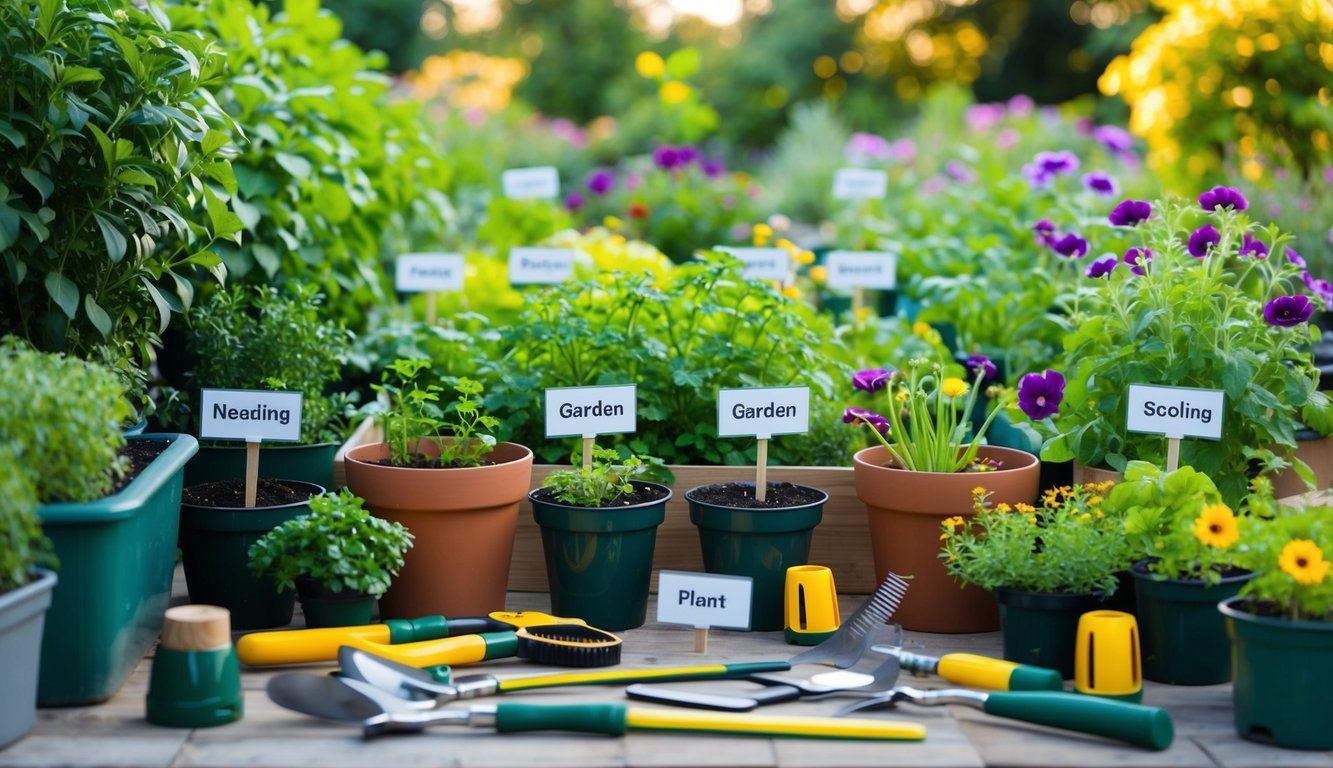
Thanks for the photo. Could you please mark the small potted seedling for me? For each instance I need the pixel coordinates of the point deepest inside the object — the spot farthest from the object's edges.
(339, 558)
(599, 527)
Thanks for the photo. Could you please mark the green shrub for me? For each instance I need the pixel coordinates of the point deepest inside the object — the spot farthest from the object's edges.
(22, 545)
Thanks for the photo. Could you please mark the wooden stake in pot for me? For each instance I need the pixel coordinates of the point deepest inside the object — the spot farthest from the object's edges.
(761, 469)
(762, 412)
(586, 412)
(251, 471)
(429, 273)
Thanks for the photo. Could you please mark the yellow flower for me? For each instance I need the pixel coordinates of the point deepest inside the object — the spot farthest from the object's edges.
(819, 274)
(1099, 514)
(1094, 500)
(650, 64)
(1003, 507)
(611, 222)
(1216, 526)
(804, 257)
(1026, 509)
(1085, 516)
(674, 92)
(792, 292)
(862, 314)
(902, 396)
(761, 233)
(1303, 561)
(1032, 519)
(978, 491)
(944, 537)
(921, 328)
(954, 387)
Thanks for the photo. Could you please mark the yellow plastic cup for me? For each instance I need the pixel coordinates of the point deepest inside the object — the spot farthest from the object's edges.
(810, 610)
(1106, 659)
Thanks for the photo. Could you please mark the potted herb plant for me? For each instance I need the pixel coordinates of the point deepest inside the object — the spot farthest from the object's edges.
(599, 527)
(923, 472)
(1186, 541)
(448, 480)
(1047, 566)
(339, 558)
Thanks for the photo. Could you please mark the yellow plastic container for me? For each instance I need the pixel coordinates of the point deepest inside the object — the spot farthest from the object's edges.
(810, 610)
(1107, 660)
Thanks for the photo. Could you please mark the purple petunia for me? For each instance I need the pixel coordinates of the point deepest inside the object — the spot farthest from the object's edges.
(1113, 138)
(601, 181)
(1223, 197)
(1138, 259)
(712, 168)
(1102, 266)
(1039, 394)
(1252, 247)
(1203, 240)
(574, 201)
(982, 364)
(1071, 246)
(1130, 212)
(1045, 230)
(667, 157)
(1287, 311)
(854, 415)
(687, 154)
(871, 379)
(1046, 166)
(959, 172)
(1100, 182)
(866, 146)
(1321, 288)
(1295, 257)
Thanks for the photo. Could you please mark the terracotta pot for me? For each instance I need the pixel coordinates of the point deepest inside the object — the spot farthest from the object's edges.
(1085, 474)
(906, 510)
(463, 520)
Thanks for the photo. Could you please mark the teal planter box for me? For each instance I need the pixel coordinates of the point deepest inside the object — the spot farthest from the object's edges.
(308, 463)
(117, 556)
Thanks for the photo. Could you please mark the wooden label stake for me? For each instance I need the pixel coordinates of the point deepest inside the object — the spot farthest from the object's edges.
(1172, 453)
(761, 471)
(701, 639)
(251, 471)
(587, 451)
(430, 307)
(858, 302)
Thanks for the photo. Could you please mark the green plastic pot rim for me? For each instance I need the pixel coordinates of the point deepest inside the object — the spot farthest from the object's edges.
(218, 445)
(127, 503)
(818, 503)
(532, 497)
(1230, 608)
(1139, 570)
(1023, 598)
(294, 484)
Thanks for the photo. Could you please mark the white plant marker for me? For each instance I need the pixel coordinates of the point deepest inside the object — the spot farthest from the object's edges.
(704, 600)
(252, 415)
(587, 412)
(429, 273)
(1175, 412)
(763, 412)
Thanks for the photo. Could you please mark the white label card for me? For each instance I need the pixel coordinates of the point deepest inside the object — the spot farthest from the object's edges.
(531, 183)
(860, 184)
(250, 414)
(704, 600)
(861, 269)
(545, 266)
(415, 272)
(763, 411)
(1176, 411)
(589, 411)
(762, 263)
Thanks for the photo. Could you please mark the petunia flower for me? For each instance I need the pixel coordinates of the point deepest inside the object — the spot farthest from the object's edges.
(1071, 246)
(601, 181)
(985, 365)
(686, 154)
(1130, 212)
(866, 146)
(1223, 197)
(861, 415)
(574, 201)
(871, 379)
(712, 168)
(1203, 240)
(959, 172)
(1288, 311)
(1113, 137)
(1138, 259)
(1039, 394)
(1252, 247)
(1046, 166)
(1045, 230)
(1321, 288)
(666, 157)
(1295, 257)
(1102, 266)
(1100, 182)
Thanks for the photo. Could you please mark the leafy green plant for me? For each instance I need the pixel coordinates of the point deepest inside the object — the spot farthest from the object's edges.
(1069, 544)
(414, 413)
(1285, 546)
(22, 544)
(339, 544)
(115, 176)
(601, 484)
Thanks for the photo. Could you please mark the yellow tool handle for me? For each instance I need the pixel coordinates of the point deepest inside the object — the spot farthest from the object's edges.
(644, 718)
(615, 676)
(464, 649)
(996, 674)
(303, 646)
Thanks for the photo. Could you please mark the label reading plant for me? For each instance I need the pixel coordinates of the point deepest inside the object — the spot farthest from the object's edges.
(541, 266)
(425, 272)
(704, 600)
(861, 269)
(541, 182)
(762, 263)
(859, 184)
(763, 411)
(589, 411)
(1175, 411)
(252, 415)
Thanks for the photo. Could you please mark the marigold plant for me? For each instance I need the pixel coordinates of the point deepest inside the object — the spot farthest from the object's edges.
(1290, 549)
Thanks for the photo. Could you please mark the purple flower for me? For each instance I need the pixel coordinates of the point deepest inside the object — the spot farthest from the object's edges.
(1113, 138)
(982, 364)
(959, 172)
(1039, 394)
(1071, 246)
(902, 151)
(854, 415)
(1130, 212)
(1203, 240)
(1295, 258)
(1046, 166)
(713, 168)
(1045, 230)
(667, 157)
(1321, 288)
(1007, 138)
(1251, 247)
(981, 118)
(1138, 259)
(871, 379)
(601, 181)
(1223, 197)
(574, 201)
(1102, 266)
(1286, 311)
(866, 146)
(1101, 183)
(687, 154)
(1020, 105)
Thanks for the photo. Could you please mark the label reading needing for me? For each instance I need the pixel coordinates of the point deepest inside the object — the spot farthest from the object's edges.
(542, 182)
(588, 411)
(704, 600)
(763, 411)
(415, 272)
(1176, 411)
(762, 263)
(250, 414)
(859, 184)
(545, 266)
(861, 269)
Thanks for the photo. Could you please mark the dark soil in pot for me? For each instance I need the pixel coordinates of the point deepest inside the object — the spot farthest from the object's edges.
(139, 454)
(231, 493)
(642, 494)
(422, 461)
(742, 495)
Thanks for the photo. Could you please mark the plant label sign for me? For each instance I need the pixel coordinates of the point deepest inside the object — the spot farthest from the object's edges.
(762, 263)
(860, 184)
(540, 266)
(862, 269)
(1176, 411)
(542, 182)
(704, 600)
(252, 415)
(423, 272)
(763, 411)
(590, 411)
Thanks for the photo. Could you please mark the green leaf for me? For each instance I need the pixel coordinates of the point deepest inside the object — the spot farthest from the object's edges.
(1318, 413)
(9, 226)
(104, 142)
(214, 140)
(225, 224)
(73, 75)
(37, 62)
(98, 316)
(111, 235)
(683, 63)
(63, 292)
(163, 308)
(294, 164)
(130, 175)
(8, 131)
(332, 201)
(39, 182)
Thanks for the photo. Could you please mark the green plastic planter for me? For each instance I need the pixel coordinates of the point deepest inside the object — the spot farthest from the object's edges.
(308, 463)
(1041, 628)
(215, 544)
(1184, 638)
(117, 556)
(599, 561)
(21, 614)
(1283, 675)
(195, 689)
(759, 543)
(322, 608)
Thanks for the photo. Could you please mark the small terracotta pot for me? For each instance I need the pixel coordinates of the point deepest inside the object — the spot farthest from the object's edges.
(906, 510)
(463, 520)
(1085, 474)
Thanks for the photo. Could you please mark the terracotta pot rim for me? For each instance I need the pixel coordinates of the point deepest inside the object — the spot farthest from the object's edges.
(610, 510)
(816, 503)
(860, 460)
(353, 456)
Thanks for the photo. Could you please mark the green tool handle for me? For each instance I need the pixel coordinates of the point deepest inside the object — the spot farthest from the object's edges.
(1149, 727)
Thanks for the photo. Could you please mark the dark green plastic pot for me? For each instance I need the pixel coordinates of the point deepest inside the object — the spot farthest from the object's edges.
(1041, 628)
(215, 544)
(117, 557)
(1283, 675)
(599, 560)
(759, 543)
(308, 463)
(195, 689)
(322, 608)
(1184, 638)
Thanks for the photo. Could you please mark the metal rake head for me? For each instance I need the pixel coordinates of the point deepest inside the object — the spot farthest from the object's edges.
(849, 643)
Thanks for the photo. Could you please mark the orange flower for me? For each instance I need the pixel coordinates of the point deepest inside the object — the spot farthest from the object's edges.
(1216, 527)
(1303, 560)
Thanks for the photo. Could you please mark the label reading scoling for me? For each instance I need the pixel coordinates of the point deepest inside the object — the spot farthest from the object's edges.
(763, 411)
(762, 263)
(1176, 411)
(859, 184)
(588, 411)
(418, 272)
(542, 182)
(704, 600)
(861, 269)
(545, 266)
(250, 414)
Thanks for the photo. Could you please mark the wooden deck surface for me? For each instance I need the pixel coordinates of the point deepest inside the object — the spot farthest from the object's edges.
(116, 734)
